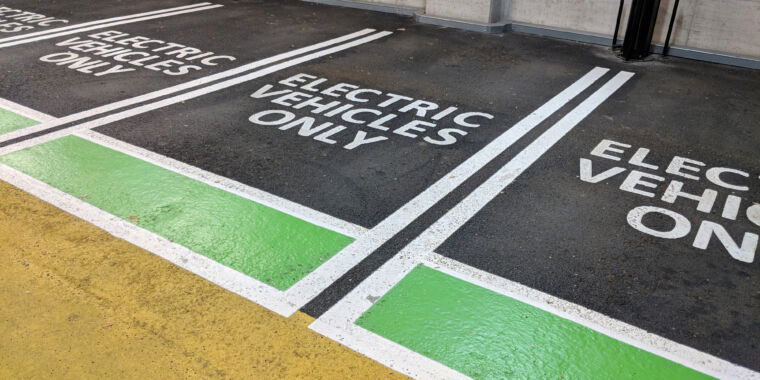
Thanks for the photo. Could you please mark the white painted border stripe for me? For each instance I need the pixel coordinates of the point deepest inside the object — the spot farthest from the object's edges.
(338, 322)
(188, 95)
(96, 22)
(226, 184)
(26, 111)
(106, 25)
(227, 278)
(180, 87)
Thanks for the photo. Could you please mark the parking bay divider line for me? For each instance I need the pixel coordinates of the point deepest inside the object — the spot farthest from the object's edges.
(79, 116)
(97, 22)
(310, 287)
(9, 146)
(108, 24)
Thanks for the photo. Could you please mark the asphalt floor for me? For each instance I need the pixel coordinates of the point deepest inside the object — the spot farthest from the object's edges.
(293, 154)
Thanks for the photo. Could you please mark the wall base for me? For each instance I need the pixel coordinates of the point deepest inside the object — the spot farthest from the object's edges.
(419, 15)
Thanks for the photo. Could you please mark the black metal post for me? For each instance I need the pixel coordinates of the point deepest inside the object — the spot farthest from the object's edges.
(617, 23)
(666, 48)
(638, 36)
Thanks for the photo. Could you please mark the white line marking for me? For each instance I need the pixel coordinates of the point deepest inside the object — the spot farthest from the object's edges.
(180, 87)
(106, 25)
(231, 186)
(455, 218)
(219, 274)
(26, 111)
(96, 22)
(338, 322)
(393, 224)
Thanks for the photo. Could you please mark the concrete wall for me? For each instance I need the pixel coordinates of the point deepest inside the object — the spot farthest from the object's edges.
(730, 27)
(479, 11)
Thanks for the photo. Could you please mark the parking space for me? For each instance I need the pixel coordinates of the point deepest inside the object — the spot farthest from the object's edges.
(610, 209)
(644, 212)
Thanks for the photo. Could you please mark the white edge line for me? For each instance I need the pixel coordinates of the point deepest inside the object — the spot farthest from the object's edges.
(458, 215)
(26, 111)
(95, 22)
(225, 277)
(599, 322)
(180, 87)
(226, 184)
(101, 26)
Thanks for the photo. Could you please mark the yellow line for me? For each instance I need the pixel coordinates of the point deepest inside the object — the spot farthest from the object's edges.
(79, 303)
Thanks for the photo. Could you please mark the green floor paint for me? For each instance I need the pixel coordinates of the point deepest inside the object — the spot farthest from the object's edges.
(264, 243)
(486, 335)
(10, 121)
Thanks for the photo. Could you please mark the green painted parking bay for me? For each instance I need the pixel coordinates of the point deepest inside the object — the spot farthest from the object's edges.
(11, 121)
(486, 335)
(268, 245)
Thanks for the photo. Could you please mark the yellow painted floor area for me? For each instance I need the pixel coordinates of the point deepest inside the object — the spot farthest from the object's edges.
(78, 303)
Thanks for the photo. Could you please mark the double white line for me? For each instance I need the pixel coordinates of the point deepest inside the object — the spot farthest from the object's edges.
(105, 23)
(339, 322)
(413, 209)
(274, 64)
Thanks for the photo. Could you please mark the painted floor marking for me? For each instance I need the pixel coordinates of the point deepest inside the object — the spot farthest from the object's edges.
(413, 209)
(180, 87)
(339, 322)
(19, 40)
(259, 196)
(26, 111)
(85, 159)
(441, 316)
